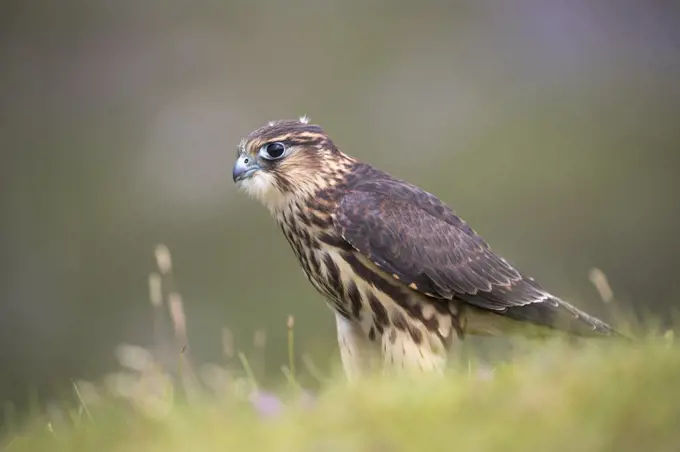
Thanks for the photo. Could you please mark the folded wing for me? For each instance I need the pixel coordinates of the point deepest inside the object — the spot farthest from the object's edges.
(412, 235)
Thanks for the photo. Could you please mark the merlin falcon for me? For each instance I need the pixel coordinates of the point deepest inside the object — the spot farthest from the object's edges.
(405, 276)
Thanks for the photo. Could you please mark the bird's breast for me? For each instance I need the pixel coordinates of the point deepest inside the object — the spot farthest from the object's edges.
(355, 287)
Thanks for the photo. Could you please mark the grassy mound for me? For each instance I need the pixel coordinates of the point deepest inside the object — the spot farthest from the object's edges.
(592, 397)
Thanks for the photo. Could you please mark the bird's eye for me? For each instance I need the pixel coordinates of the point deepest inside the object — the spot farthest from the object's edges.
(272, 151)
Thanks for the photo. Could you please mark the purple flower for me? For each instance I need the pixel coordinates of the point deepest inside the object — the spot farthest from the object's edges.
(266, 404)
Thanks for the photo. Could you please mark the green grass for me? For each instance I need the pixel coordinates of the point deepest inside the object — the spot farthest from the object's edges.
(556, 395)
(623, 397)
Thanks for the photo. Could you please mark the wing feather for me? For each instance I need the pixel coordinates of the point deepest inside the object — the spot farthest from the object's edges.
(411, 234)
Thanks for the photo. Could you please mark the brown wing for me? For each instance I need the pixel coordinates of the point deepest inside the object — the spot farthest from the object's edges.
(411, 234)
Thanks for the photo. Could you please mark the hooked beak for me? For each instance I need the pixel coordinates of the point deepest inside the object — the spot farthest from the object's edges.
(244, 167)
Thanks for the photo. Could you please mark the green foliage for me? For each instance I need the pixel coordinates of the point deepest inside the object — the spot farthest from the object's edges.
(558, 394)
(558, 397)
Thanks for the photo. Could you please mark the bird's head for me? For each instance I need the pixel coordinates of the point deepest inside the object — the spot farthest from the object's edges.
(287, 160)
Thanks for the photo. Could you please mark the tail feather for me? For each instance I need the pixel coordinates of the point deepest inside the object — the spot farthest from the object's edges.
(562, 316)
(539, 319)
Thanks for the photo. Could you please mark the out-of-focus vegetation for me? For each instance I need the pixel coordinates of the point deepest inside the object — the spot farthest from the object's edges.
(554, 394)
(559, 398)
(550, 126)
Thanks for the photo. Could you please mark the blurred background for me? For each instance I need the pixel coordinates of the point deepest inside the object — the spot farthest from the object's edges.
(550, 126)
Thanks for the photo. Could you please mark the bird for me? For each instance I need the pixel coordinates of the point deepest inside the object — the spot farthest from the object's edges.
(405, 276)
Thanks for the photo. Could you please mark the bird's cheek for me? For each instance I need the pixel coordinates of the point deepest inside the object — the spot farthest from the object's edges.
(259, 185)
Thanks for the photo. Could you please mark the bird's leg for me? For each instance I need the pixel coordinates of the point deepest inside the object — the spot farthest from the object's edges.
(402, 352)
(358, 353)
